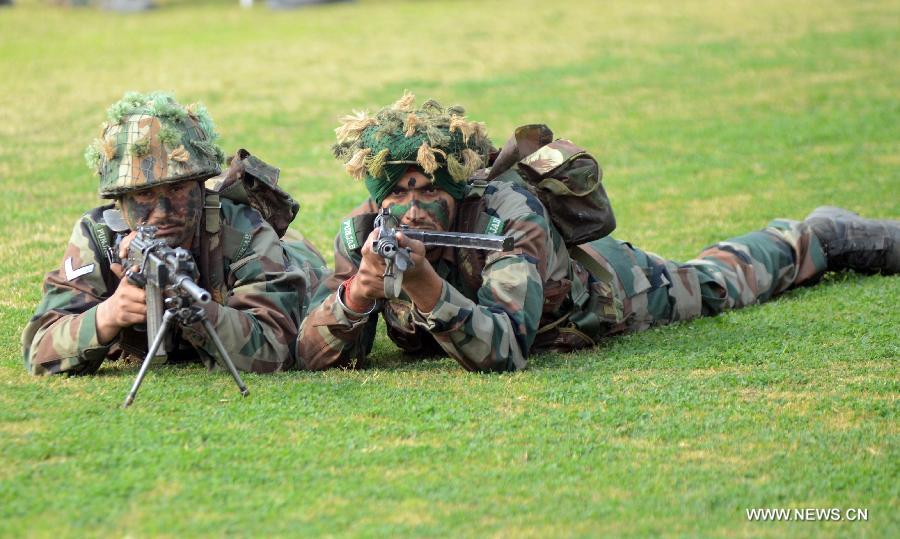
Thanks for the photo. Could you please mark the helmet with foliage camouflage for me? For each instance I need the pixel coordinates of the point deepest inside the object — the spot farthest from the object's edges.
(442, 142)
(150, 140)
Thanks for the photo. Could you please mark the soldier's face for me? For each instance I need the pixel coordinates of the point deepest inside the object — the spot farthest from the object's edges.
(174, 209)
(418, 203)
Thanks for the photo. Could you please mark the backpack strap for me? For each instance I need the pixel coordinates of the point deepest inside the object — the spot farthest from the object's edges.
(471, 217)
(476, 188)
(104, 237)
(212, 260)
(610, 306)
(590, 264)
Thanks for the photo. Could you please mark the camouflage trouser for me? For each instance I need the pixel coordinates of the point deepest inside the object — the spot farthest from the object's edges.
(650, 291)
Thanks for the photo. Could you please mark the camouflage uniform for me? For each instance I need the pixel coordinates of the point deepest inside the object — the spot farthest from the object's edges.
(259, 283)
(538, 298)
(257, 322)
(494, 310)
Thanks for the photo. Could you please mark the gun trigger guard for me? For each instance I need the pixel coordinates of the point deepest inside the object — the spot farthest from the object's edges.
(402, 261)
(135, 278)
(112, 256)
(393, 284)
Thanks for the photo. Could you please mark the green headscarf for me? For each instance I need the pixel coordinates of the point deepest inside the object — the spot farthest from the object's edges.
(441, 143)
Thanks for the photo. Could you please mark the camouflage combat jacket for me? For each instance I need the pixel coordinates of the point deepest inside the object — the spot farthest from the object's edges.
(489, 323)
(257, 321)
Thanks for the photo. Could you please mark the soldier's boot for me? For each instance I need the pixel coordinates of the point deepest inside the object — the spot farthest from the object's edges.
(851, 242)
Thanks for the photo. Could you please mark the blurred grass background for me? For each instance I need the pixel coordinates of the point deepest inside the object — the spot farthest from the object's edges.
(709, 118)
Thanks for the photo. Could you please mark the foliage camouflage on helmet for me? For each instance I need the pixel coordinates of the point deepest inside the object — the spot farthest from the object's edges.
(442, 142)
(150, 139)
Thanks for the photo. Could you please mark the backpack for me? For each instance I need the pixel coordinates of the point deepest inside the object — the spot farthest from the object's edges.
(567, 181)
(251, 181)
(565, 178)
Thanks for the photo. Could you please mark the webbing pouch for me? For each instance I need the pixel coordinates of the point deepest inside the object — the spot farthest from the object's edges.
(566, 179)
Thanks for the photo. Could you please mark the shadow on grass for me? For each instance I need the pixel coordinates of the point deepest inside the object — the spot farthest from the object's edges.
(126, 368)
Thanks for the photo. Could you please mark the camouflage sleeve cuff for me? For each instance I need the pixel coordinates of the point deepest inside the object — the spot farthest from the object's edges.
(70, 345)
(341, 316)
(89, 342)
(339, 298)
(449, 313)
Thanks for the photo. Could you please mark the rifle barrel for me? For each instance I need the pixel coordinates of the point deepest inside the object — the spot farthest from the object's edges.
(489, 242)
(188, 285)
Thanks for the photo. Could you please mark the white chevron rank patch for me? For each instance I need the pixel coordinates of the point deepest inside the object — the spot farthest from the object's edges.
(72, 274)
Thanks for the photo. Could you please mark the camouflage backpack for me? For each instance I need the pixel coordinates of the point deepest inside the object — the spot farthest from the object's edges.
(251, 181)
(567, 181)
(564, 177)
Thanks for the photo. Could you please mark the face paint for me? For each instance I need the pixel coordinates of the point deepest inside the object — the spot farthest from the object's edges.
(418, 203)
(438, 211)
(174, 209)
(399, 210)
(136, 211)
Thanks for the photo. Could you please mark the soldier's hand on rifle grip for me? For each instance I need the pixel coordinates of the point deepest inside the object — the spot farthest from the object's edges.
(421, 283)
(126, 307)
(368, 285)
(420, 265)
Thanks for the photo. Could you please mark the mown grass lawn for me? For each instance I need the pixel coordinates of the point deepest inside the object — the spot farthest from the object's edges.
(709, 118)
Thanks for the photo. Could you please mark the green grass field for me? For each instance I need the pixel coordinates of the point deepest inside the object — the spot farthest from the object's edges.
(709, 118)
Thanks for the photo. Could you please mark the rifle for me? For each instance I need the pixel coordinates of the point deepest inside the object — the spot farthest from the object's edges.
(397, 260)
(167, 276)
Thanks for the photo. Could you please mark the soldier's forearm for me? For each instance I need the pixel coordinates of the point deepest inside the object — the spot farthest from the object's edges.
(329, 338)
(483, 335)
(56, 344)
(107, 329)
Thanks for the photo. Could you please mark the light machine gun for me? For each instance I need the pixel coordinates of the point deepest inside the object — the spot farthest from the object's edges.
(167, 276)
(397, 259)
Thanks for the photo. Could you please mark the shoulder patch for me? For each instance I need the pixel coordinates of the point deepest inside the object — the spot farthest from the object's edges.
(235, 242)
(348, 234)
(494, 226)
